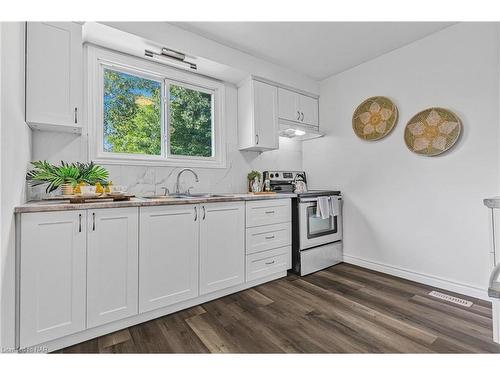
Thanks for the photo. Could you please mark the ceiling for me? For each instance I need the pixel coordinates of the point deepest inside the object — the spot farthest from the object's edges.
(316, 49)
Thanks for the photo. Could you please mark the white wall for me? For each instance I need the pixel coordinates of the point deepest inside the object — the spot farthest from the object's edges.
(15, 154)
(415, 216)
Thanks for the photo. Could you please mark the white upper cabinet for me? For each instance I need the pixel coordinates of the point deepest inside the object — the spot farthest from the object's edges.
(308, 107)
(222, 245)
(288, 103)
(54, 76)
(112, 264)
(258, 116)
(168, 259)
(52, 277)
(297, 107)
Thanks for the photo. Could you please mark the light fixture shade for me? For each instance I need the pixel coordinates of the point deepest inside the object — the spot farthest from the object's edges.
(299, 132)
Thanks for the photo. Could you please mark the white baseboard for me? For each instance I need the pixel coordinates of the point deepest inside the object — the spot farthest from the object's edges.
(438, 282)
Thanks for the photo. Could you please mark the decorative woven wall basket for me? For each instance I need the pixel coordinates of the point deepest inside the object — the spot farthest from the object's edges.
(432, 131)
(374, 118)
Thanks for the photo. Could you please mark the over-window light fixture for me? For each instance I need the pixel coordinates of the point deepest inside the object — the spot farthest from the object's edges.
(172, 55)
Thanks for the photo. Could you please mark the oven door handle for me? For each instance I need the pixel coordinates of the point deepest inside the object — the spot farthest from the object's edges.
(305, 203)
(315, 199)
(308, 200)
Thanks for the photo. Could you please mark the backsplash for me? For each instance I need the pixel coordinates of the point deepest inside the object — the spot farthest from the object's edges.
(150, 180)
(139, 180)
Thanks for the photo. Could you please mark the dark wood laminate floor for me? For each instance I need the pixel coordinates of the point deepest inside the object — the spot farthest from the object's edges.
(344, 309)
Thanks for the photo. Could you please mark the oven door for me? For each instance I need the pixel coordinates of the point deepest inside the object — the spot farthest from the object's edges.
(315, 231)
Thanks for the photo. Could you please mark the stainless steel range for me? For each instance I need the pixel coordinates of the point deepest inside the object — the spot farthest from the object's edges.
(316, 238)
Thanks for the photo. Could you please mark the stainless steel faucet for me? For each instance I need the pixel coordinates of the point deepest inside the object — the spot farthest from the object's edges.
(177, 190)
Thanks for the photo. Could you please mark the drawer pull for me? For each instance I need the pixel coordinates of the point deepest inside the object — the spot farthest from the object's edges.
(269, 212)
(269, 237)
(268, 263)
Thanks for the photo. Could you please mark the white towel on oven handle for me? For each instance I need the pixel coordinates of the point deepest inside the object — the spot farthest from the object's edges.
(323, 207)
(335, 205)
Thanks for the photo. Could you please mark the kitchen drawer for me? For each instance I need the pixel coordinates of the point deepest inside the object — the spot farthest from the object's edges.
(268, 262)
(268, 212)
(268, 237)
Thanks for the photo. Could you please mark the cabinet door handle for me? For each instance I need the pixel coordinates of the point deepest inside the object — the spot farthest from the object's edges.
(256, 139)
(76, 115)
(269, 237)
(80, 223)
(269, 212)
(298, 115)
(302, 118)
(204, 212)
(93, 221)
(268, 263)
(195, 213)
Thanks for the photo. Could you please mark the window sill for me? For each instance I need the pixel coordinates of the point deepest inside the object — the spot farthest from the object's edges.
(215, 164)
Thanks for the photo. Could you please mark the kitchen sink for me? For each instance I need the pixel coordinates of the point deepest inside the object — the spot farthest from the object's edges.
(186, 196)
(208, 195)
(168, 197)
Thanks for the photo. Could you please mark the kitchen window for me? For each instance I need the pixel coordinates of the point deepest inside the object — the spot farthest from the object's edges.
(146, 113)
(132, 114)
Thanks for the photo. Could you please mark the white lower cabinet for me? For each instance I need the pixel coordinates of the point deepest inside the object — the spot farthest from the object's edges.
(52, 276)
(268, 262)
(268, 238)
(168, 257)
(268, 212)
(83, 269)
(112, 264)
(222, 245)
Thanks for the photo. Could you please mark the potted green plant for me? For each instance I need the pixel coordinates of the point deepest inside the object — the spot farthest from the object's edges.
(91, 173)
(65, 176)
(250, 177)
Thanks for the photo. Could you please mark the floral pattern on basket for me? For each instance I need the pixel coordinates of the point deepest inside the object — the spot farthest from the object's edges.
(374, 118)
(432, 132)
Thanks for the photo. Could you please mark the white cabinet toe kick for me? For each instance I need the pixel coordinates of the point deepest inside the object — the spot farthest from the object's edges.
(113, 268)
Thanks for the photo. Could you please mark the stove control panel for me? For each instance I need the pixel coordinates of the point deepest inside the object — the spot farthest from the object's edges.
(285, 176)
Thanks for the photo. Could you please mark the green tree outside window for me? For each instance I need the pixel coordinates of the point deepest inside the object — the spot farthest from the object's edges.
(190, 122)
(133, 120)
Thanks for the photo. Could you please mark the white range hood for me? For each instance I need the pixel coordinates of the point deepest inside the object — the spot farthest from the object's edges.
(299, 132)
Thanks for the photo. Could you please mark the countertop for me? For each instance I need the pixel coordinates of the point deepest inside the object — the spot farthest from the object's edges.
(64, 205)
(493, 202)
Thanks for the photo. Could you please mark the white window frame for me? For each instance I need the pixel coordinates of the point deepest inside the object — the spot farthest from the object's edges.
(99, 59)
